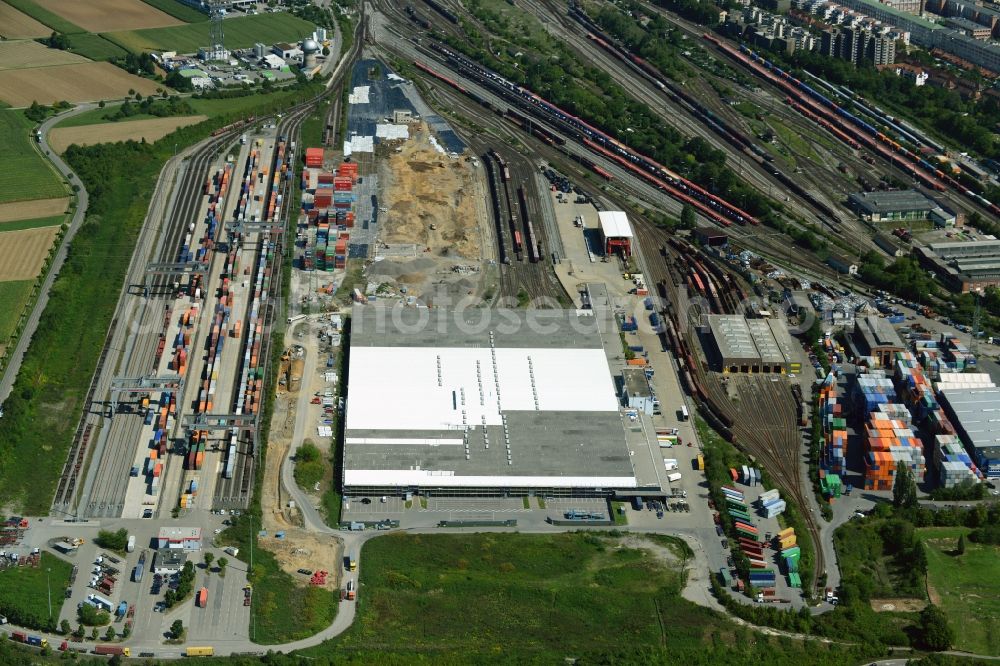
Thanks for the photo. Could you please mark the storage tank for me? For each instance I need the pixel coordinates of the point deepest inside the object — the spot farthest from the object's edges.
(310, 48)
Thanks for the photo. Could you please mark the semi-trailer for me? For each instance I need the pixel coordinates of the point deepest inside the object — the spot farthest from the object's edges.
(111, 650)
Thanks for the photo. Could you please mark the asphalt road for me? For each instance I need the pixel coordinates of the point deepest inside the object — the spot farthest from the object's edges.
(82, 201)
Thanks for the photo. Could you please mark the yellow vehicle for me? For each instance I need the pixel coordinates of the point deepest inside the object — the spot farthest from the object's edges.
(199, 652)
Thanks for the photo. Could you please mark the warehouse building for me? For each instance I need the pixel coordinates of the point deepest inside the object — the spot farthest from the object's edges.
(875, 337)
(482, 402)
(616, 232)
(751, 345)
(182, 538)
(975, 414)
(898, 206)
(963, 266)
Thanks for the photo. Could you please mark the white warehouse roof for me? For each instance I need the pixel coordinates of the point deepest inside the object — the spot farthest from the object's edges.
(513, 403)
(614, 224)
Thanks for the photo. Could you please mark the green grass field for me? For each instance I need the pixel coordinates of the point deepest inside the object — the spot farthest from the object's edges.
(54, 21)
(178, 11)
(38, 222)
(542, 599)
(240, 33)
(25, 175)
(14, 296)
(94, 47)
(24, 592)
(968, 586)
(542, 596)
(283, 609)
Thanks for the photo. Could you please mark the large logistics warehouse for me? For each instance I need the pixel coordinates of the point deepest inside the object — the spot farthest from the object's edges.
(481, 402)
(975, 413)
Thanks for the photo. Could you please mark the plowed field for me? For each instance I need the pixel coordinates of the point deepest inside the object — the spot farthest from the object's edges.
(28, 210)
(74, 83)
(110, 15)
(28, 54)
(151, 130)
(18, 25)
(22, 253)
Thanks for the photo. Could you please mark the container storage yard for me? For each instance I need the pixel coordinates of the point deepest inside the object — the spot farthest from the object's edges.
(209, 345)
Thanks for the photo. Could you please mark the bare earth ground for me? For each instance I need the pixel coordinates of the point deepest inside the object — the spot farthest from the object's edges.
(110, 15)
(15, 24)
(897, 605)
(300, 549)
(150, 129)
(422, 187)
(28, 54)
(83, 82)
(22, 253)
(29, 210)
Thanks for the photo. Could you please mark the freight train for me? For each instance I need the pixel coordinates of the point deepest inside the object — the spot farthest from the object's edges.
(534, 247)
(417, 18)
(711, 206)
(234, 126)
(806, 96)
(442, 10)
(493, 178)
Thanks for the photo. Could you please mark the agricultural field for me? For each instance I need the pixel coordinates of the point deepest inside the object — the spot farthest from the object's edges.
(966, 587)
(26, 175)
(151, 130)
(23, 253)
(74, 83)
(23, 591)
(178, 11)
(109, 15)
(33, 223)
(14, 297)
(94, 47)
(52, 20)
(241, 32)
(25, 210)
(28, 54)
(18, 25)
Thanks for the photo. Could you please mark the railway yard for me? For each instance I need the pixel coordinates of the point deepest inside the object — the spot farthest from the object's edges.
(439, 181)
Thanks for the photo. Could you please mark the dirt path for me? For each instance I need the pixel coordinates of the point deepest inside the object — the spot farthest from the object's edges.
(299, 548)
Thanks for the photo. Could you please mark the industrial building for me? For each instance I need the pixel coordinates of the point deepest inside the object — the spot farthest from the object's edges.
(876, 338)
(891, 246)
(482, 402)
(182, 538)
(637, 392)
(963, 266)
(975, 414)
(898, 206)
(167, 562)
(752, 345)
(616, 232)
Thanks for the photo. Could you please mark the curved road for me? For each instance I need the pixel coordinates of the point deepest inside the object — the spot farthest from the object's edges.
(82, 201)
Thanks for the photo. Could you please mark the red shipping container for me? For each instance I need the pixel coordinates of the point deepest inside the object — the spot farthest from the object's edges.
(323, 198)
(343, 184)
(325, 178)
(314, 157)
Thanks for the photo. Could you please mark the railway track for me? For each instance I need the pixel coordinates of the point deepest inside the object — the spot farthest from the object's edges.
(109, 483)
(105, 496)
